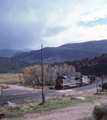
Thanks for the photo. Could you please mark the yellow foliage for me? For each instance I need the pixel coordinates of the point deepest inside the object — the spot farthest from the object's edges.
(33, 73)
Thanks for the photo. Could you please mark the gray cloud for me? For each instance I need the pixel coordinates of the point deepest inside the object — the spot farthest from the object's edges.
(20, 25)
(30, 23)
(51, 31)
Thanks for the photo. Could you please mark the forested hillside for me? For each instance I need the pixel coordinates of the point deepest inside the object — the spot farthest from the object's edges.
(9, 66)
(89, 66)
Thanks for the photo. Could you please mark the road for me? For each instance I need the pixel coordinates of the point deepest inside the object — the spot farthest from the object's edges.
(89, 86)
(18, 94)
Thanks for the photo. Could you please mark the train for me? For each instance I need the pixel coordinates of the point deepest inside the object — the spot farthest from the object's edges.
(64, 82)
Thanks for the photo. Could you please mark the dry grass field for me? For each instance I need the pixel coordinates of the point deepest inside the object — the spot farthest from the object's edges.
(14, 79)
(9, 78)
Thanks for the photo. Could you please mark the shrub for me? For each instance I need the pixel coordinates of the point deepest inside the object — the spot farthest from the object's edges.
(100, 112)
(4, 86)
(104, 86)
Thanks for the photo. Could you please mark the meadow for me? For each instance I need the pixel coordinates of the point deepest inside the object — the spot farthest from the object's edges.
(9, 78)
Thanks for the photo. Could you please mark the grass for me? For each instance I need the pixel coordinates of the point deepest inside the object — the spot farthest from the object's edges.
(14, 78)
(50, 105)
(9, 78)
(101, 92)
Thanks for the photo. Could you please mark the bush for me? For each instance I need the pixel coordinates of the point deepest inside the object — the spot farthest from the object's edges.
(4, 86)
(104, 86)
(100, 112)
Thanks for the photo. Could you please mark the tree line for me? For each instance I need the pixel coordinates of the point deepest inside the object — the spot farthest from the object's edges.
(33, 73)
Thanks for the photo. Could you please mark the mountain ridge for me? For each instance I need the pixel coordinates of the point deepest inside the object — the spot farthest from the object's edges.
(12, 52)
(69, 52)
(73, 51)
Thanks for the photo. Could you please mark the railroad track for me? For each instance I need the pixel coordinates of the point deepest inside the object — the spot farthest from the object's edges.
(19, 98)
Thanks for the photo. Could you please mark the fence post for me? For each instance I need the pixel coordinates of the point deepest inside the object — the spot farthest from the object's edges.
(1, 91)
(97, 89)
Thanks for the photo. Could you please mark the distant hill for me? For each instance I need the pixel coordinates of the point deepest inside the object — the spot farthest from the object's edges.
(73, 51)
(9, 66)
(11, 52)
(85, 57)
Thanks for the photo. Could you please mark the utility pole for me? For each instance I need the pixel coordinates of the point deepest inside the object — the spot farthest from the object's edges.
(43, 97)
(102, 74)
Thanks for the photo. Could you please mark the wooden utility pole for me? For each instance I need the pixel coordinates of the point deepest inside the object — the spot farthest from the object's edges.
(102, 75)
(43, 97)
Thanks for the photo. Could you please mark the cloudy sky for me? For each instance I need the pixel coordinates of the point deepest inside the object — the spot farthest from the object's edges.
(30, 23)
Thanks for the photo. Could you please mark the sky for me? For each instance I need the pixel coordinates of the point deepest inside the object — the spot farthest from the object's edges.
(30, 23)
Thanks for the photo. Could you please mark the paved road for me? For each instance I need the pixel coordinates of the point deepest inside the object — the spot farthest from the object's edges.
(14, 89)
(20, 94)
(89, 86)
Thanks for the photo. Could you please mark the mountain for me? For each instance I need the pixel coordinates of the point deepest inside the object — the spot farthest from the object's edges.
(11, 52)
(85, 57)
(9, 66)
(73, 51)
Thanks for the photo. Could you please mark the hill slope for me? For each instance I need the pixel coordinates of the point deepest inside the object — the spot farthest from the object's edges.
(9, 66)
(11, 52)
(80, 55)
(75, 51)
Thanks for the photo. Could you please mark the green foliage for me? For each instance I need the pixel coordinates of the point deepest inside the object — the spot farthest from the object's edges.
(100, 112)
(104, 86)
(102, 92)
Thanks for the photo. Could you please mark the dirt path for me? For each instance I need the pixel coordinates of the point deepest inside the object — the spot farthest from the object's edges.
(77, 112)
(71, 113)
